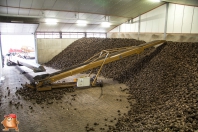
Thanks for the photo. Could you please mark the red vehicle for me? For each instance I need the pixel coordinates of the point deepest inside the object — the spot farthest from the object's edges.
(26, 52)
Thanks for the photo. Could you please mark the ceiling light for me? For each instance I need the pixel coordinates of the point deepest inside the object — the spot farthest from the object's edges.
(105, 24)
(17, 21)
(81, 23)
(51, 21)
(155, 0)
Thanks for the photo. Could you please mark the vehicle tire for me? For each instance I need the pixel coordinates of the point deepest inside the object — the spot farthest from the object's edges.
(19, 64)
(9, 63)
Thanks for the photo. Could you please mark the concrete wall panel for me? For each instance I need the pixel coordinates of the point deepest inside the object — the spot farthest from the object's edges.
(123, 35)
(182, 37)
(48, 48)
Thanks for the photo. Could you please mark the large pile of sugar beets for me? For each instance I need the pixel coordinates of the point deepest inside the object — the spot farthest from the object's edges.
(76, 53)
(163, 82)
(163, 89)
(82, 49)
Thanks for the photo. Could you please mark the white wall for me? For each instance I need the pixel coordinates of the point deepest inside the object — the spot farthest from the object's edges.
(48, 48)
(152, 21)
(181, 19)
(194, 28)
(116, 29)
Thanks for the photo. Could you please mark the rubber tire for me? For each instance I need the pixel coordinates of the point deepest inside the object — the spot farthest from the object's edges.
(19, 64)
(9, 63)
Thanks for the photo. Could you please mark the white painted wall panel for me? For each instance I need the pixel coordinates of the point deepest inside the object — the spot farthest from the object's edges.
(161, 25)
(161, 10)
(143, 23)
(149, 23)
(171, 18)
(149, 26)
(195, 21)
(155, 26)
(143, 27)
(181, 19)
(115, 29)
(187, 19)
(132, 27)
(179, 10)
(128, 27)
(136, 27)
(122, 28)
(136, 21)
(154, 19)
(161, 22)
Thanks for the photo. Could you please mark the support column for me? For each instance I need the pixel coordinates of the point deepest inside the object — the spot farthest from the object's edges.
(36, 48)
(166, 20)
(1, 59)
(139, 21)
(60, 34)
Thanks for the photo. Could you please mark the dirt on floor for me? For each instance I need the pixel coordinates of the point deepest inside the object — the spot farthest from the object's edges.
(87, 109)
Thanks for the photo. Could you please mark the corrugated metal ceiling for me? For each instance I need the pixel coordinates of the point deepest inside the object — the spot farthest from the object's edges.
(17, 28)
(67, 12)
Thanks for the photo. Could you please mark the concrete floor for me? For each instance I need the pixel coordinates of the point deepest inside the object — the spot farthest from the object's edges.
(91, 105)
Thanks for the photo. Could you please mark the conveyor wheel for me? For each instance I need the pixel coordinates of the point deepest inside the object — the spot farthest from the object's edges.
(99, 83)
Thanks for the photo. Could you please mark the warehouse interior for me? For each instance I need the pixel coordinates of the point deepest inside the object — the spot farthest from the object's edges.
(99, 65)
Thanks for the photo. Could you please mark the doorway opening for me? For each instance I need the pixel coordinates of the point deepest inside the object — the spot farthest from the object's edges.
(18, 47)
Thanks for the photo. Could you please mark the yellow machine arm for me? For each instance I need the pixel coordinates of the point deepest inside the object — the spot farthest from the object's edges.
(45, 82)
